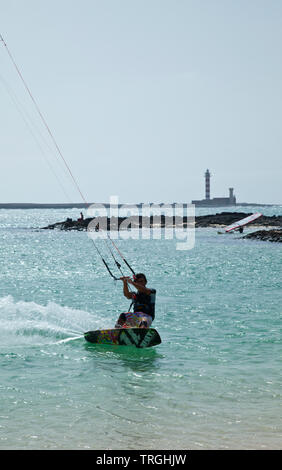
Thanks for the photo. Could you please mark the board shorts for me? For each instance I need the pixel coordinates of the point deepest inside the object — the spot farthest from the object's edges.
(133, 319)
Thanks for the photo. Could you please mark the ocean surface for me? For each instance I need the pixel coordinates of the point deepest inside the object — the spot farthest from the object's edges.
(215, 382)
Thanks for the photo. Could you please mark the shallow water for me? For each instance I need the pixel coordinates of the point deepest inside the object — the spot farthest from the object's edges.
(213, 383)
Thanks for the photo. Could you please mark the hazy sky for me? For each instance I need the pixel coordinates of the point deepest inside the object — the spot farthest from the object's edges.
(142, 97)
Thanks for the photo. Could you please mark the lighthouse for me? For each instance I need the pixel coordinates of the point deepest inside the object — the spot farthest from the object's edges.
(208, 192)
(216, 201)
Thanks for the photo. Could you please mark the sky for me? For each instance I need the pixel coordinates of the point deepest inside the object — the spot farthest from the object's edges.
(141, 96)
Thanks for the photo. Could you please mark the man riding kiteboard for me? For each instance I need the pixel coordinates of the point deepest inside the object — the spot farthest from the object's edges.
(143, 302)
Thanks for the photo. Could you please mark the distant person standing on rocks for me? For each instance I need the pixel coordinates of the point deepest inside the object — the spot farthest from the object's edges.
(81, 218)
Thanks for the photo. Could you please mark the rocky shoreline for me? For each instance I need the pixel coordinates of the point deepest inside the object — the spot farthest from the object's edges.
(265, 235)
(228, 218)
(212, 220)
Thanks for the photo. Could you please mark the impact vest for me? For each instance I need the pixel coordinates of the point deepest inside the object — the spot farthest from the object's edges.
(145, 303)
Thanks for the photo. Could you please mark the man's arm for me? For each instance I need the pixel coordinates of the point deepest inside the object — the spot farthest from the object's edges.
(126, 291)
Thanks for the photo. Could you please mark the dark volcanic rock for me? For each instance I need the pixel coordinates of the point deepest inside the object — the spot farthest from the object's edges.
(265, 235)
(228, 218)
(123, 223)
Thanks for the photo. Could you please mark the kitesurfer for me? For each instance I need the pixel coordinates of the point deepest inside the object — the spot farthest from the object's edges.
(143, 302)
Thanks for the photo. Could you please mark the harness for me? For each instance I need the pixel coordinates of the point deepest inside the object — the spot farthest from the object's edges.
(144, 303)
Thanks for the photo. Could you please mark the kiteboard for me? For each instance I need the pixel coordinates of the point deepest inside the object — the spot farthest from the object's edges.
(242, 222)
(139, 337)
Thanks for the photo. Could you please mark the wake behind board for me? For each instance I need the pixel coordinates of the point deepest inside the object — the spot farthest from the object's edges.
(139, 337)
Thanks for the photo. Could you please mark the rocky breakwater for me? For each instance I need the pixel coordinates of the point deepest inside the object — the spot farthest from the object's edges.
(266, 235)
(212, 220)
(122, 223)
(228, 218)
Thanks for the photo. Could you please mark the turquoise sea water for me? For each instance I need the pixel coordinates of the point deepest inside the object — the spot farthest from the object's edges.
(214, 382)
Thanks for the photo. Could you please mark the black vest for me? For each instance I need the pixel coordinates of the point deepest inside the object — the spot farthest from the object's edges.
(145, 303)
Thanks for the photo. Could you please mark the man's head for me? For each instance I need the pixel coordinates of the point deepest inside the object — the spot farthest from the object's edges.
(140, 278)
